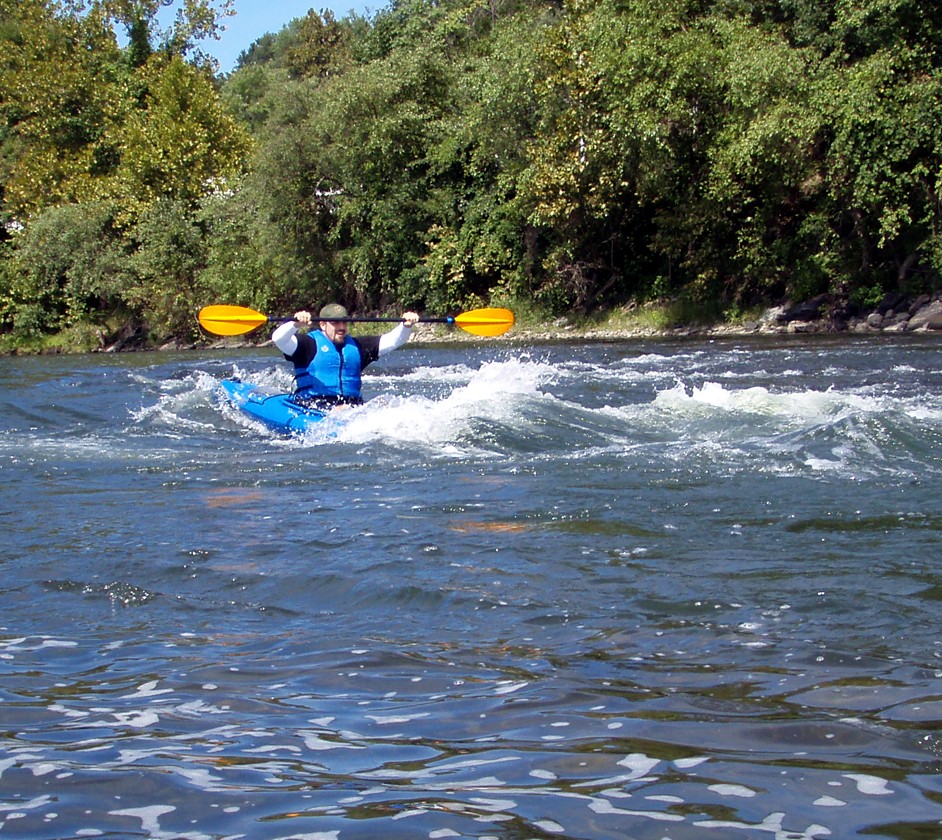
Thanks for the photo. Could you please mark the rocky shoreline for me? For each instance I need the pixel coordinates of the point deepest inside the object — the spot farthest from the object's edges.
(824, 314)
(827, 313)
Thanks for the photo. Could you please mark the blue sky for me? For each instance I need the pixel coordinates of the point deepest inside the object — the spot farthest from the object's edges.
(254, 18)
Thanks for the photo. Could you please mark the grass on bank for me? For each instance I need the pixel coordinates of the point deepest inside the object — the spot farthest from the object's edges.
(649, 318)
(83, 338)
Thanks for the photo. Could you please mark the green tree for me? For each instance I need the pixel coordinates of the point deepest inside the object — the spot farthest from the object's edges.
(763, 173)
(341, 172)
(321, 48)
(169, 253)
(884, 168)
(59, 90)
(179, 143)
(480, 244)
(246, 261)
(627, 101)
(194, 21)
(68, 94)
(95, 136)
(67, 262)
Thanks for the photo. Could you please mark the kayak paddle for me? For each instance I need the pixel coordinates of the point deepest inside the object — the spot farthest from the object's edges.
(222, 319)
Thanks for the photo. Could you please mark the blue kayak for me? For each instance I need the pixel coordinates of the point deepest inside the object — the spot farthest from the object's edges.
(276, 411)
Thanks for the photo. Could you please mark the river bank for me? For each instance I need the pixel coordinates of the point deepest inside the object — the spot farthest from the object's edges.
(824, 314)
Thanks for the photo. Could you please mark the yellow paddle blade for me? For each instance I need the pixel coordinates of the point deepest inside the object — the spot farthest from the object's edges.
(222, 319)
(489, 322)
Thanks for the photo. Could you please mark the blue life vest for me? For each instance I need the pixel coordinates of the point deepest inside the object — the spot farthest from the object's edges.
(332, 372)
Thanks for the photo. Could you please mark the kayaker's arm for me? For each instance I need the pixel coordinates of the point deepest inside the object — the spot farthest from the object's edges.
(285, 337)
(399, 334)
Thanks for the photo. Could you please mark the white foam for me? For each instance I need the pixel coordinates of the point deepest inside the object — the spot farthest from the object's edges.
(314, 741)
(639, 764)
(148, 689)
(807, 405)
(829, 802)
(385, 720)
(733, 790)
(493, 393)
(870, 785)
(510, 687)
(603, 806)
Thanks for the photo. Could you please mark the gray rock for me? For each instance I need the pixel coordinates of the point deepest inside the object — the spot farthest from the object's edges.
(929, 317)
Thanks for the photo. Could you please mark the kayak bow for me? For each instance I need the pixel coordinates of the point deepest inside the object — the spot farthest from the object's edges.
(276, 411)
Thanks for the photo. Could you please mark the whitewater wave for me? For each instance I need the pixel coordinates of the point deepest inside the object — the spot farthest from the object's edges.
(573, 408)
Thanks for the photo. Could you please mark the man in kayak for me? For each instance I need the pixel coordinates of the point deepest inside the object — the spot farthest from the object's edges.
(328, 363)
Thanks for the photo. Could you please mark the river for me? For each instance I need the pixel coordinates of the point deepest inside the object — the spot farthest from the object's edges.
(650, 589)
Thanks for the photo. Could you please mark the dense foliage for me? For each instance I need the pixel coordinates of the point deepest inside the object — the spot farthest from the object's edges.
(446, 153)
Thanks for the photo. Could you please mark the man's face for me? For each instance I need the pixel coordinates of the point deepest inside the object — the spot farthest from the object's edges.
(336, 331)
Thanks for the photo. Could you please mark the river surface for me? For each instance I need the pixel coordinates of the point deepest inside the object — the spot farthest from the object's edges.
(642, 589)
